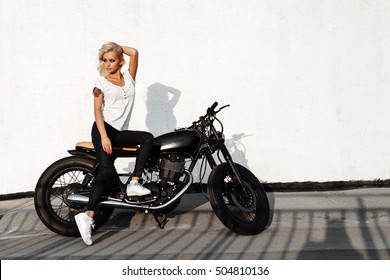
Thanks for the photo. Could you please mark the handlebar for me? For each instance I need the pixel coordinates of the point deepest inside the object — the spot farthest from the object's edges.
(211, 110)
(210, 113)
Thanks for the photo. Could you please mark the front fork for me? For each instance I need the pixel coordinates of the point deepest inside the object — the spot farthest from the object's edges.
(232, 166)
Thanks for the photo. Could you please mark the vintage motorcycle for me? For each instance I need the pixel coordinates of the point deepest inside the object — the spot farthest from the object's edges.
(235, 194)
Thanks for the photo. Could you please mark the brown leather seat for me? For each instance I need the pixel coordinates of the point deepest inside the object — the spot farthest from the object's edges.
(89, 146)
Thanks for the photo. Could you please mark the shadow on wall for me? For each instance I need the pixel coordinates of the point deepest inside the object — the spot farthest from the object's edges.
(237, 148)
(160, 119)
(160, 103)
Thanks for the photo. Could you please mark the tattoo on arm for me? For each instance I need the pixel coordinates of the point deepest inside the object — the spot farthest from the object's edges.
(96, 92)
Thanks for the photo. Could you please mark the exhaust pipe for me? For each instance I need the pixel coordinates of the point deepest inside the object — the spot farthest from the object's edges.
(124, 203)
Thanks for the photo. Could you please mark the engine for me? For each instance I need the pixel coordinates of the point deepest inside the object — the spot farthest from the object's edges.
(171, 168)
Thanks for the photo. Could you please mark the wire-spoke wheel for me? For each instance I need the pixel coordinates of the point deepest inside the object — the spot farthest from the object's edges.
(66, 176)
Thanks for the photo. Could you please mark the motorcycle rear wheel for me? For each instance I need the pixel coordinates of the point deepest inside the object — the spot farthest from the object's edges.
(50, 195)
(245, 214)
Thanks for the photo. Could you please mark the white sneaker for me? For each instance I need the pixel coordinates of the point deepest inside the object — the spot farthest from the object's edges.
(84, 223)
(136, 189)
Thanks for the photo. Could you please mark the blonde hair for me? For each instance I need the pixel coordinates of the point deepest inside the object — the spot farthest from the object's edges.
(109, 47)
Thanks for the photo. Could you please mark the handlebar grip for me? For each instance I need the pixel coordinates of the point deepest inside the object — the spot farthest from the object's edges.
(214, 106)
(211, 109)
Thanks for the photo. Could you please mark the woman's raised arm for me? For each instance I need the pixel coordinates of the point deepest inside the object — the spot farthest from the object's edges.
(133, 65)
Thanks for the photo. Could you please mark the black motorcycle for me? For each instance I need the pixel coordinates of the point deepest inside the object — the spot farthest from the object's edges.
(235, 194)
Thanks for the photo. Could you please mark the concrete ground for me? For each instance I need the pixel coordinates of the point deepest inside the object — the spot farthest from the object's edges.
(348, 224)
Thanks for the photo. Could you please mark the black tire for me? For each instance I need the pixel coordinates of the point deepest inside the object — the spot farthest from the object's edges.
(243, 214)
(49, 201)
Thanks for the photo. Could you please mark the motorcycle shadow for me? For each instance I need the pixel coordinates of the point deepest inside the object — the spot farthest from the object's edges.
(188, 212)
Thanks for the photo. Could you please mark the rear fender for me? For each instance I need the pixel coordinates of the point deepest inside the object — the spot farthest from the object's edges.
(82, 152)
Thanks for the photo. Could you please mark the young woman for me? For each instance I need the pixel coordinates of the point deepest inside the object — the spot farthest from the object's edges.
(114, 94)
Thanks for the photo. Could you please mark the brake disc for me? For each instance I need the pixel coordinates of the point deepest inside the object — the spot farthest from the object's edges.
(245, 202)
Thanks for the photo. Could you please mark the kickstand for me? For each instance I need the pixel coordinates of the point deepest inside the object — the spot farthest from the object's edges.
(161, 219)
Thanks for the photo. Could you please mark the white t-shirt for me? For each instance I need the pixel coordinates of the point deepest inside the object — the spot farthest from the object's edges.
(118, 101)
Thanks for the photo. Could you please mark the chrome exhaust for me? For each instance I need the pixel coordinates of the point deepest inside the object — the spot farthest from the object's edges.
(124, 203)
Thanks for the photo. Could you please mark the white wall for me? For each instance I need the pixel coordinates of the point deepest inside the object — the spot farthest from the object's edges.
(307, 80)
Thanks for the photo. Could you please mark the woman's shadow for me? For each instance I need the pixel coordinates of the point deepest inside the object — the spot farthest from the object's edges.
(160, 103)
(160, 119)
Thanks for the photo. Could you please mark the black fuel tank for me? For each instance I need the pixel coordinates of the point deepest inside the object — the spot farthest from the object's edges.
(179, 142)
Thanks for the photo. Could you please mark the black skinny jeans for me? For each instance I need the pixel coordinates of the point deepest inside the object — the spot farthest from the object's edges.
(106, 174)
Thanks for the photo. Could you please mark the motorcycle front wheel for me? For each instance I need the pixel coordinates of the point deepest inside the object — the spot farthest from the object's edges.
(70, 174)
(243, 212)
